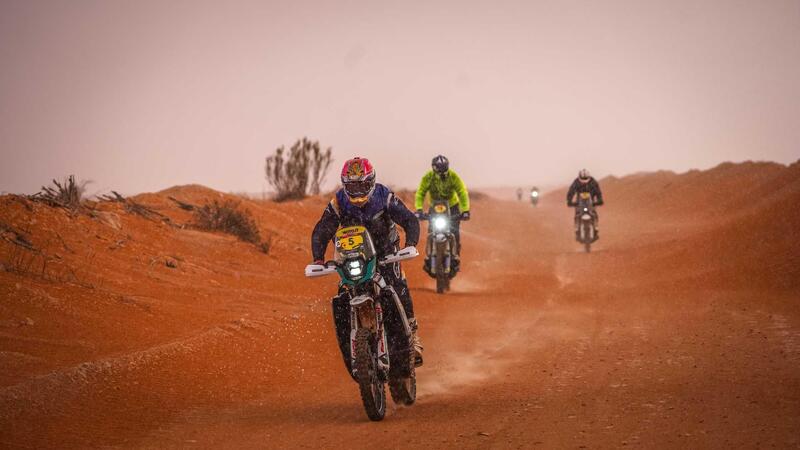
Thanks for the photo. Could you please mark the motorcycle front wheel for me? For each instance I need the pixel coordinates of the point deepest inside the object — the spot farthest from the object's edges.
(441, 283)
(442, 279)
(373, 394)
(588, 235)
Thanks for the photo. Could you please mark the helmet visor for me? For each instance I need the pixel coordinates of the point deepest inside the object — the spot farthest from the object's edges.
(359, 188)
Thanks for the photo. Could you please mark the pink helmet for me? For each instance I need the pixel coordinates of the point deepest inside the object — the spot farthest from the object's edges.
(358, 179)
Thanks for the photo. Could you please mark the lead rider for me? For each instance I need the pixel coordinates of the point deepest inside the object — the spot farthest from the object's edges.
(362, 201)
(585, 183)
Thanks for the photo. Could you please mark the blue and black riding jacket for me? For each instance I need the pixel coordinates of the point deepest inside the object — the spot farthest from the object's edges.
(592, 187)
(379, 215)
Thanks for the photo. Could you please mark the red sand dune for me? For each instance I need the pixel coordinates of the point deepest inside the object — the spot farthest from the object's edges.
(681, 329)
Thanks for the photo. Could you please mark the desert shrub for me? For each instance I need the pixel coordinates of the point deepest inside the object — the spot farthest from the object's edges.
(266, 245)
(65, 194)
(302, 170)
(136, 208)
(228, 217)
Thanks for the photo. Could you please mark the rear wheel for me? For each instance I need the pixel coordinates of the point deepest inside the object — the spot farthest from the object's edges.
(404, 389)
(373, 394)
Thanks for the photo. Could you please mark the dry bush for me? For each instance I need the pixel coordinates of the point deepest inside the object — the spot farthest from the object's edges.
(66, 194)
(304, 167)
(266, 245)
(136, 208)
(228, 217)
(20, 256)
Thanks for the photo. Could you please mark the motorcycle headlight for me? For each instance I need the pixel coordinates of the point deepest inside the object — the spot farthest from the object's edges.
(534, 194)
(354, 268)
(439, 223)
(585, 209)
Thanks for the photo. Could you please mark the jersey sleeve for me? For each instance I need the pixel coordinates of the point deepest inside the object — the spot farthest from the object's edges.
(571, 192)
(598, 193)
(405, 218)
(461, 192)
(324, 230)
(422, 191)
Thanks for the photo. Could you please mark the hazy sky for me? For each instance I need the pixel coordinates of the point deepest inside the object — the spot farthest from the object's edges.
(143, 95)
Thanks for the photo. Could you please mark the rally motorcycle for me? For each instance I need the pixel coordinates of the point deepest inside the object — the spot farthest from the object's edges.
(585, 220)
(441, 245)
(373, 365)
(534, 196)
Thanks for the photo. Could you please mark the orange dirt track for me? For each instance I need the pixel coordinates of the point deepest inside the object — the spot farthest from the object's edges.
(680, 329)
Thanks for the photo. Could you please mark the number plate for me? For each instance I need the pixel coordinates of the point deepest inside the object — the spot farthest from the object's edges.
(350, 238)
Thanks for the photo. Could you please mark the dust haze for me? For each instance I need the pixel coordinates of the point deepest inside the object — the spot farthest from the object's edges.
(138, 96)
(174, 312)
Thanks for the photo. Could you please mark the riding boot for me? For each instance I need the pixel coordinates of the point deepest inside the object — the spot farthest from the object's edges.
(455, 263)
(416, 342)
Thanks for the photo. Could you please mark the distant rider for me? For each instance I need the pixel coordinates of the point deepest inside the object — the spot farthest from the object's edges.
(519, 194)
(535, 195)
(585, 183)
(444, 184)
(362, 201)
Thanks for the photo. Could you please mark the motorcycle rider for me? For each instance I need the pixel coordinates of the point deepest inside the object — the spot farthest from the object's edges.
(535, 195)
(585, 183)
(519, 194)
(362, 201)
(445, 185)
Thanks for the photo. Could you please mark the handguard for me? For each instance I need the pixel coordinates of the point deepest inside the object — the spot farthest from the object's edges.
(319, 270)
(400, 255)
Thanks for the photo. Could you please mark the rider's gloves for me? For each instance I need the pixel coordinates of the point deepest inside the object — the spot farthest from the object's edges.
(465, 215)
(419, 214)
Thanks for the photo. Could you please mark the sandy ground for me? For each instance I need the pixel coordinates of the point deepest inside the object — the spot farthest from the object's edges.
(681, 328)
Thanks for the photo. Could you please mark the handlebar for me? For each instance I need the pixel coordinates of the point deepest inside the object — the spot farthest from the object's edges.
(328, 267)
(426, 216)
(573, 204)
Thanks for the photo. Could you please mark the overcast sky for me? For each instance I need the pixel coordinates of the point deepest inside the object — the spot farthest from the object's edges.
(142, 95)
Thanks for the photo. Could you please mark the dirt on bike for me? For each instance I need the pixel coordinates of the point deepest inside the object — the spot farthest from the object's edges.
(374, 360)
(585, 221)
(441, 245)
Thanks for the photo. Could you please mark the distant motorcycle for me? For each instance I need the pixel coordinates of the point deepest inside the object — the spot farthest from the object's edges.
(585, 221)
(373, 364)
(441, 245)
(534, 196)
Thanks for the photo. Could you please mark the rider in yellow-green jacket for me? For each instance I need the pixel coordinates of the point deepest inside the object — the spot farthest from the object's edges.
(444, 184)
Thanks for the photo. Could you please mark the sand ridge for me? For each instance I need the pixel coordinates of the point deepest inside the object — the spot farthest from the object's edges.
(680, 329)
